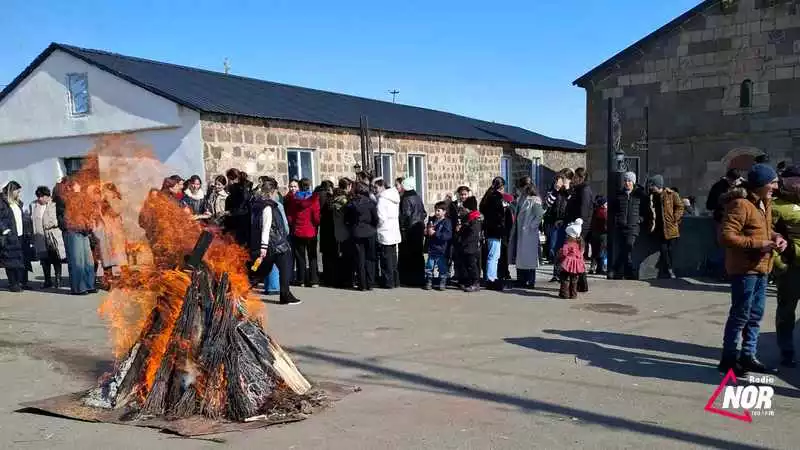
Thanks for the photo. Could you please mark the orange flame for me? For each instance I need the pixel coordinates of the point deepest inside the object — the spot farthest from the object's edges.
(151, 220)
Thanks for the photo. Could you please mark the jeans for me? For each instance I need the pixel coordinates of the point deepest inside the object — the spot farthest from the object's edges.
(493, 259)
(437, 261)
(788, 295)
(556, 241)
(80, 262)
(272, 284)
(748, 297)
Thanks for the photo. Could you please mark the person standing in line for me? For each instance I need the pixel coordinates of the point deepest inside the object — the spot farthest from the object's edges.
(581, 204)
(524, 244)
(79, 216)
(494, 230)
(237, 220)
(388, 233)
(12, 240)
(325, 232)
(468, 231)
(555, 217)
(439, 232)
(361, 217)
(412, 231)
(749, 241)
(786, 221)
(665, 214)
(628, 218)
(47, 237)
(269, 243)
(455, 213)
(599, 236)
(303, 213)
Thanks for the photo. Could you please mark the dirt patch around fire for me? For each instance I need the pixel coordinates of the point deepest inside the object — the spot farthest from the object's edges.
(71, 406)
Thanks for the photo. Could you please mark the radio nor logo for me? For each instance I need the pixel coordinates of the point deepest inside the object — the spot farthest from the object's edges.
(742, 402)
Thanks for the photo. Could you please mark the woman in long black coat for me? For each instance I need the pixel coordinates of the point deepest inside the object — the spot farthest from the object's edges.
(361, 218)
(12, 239)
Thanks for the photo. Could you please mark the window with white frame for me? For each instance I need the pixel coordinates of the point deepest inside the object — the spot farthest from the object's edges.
(301, 164)
(78, 88)
(73, 165)
(505, 169)
(416, 169)
(384, 167)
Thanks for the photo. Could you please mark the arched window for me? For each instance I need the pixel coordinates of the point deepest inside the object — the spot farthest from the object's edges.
(746, 94)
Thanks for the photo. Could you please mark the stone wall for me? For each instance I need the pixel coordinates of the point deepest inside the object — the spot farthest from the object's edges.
(259, 147)
(689, 82)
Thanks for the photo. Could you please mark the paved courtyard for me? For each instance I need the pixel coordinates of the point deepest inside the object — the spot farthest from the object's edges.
(629, 365)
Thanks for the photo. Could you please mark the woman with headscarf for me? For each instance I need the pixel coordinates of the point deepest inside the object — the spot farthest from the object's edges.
(411, 264)
(12, 242)
(493, 209)
(47, 237)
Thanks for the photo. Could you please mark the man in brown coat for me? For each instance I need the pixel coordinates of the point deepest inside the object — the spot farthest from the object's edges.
(666, 212)
(749, 240)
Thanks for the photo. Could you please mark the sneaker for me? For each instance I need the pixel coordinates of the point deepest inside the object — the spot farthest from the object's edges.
(752, 364)
(290, 299)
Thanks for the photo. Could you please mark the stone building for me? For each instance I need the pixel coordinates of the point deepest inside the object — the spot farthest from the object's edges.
(710, 90)
(205, 122)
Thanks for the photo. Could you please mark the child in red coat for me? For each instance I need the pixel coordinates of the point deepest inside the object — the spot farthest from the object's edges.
(571, 261)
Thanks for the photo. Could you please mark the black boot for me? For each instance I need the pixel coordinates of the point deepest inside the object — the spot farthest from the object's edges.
(48, 281)
(752, 364)
(290, 299)
(727, 363)
(428, 284)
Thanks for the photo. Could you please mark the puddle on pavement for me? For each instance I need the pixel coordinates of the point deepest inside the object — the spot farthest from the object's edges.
(608, 308)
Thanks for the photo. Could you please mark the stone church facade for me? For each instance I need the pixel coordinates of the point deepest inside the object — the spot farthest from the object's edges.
(711, 90)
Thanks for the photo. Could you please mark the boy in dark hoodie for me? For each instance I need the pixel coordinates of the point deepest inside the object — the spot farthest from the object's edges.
(468, 241)
(439, 232)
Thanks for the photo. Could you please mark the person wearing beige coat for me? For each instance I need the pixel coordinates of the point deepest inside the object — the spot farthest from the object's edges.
(47, 238)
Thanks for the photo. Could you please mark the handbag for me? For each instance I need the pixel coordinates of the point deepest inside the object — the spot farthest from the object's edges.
(583, 282)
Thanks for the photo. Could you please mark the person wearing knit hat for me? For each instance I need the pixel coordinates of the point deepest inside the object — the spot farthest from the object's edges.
(627, 205)
(665, 214)
(411, 261)
(749, 241)
(571, 261)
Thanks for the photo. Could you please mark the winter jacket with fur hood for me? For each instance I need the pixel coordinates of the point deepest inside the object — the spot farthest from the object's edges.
(747, 223)
(389, 217)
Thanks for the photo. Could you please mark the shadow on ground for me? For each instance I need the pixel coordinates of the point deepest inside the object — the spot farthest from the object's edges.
(690, 285)
(75, 361)
(527, 404)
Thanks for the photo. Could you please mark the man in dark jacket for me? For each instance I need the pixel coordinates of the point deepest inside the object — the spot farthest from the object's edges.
(454, 213)
(361, 217)
(627, 209)
(665, 214)
(581, 201)
(555, 218)
(732, 179)
(412, 229)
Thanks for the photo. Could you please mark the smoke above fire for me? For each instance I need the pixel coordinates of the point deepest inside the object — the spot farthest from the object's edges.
(120, 177)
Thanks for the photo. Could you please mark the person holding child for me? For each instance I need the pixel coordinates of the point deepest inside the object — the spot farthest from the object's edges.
(439, 232)
(571, 261)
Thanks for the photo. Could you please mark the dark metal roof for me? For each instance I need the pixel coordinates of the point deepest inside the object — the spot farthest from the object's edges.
(214, 92)
(616, 59)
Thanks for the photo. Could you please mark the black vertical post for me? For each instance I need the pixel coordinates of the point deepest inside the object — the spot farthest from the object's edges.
(611, 188)
(647, 140)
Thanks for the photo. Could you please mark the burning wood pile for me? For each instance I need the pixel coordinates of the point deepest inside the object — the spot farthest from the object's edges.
(211, 358)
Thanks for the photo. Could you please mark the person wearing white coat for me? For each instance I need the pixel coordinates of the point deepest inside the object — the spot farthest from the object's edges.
(388, 233)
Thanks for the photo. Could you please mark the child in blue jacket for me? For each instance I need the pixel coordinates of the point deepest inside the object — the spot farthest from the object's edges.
(439, 232)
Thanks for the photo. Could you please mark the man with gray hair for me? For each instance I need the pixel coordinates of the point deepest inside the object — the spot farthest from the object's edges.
(627, 209)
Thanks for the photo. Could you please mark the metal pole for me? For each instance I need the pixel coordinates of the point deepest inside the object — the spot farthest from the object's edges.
(611, 178)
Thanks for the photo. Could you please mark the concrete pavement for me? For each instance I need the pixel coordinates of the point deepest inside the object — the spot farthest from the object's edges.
(628, 365)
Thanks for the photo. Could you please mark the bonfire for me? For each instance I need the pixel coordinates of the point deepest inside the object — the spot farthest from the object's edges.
(191, 353)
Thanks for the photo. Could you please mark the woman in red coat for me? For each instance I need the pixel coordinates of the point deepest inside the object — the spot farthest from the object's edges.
(302, 212)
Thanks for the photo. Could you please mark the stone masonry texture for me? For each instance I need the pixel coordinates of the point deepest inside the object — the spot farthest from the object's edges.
(689, 81)
(259, 147)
